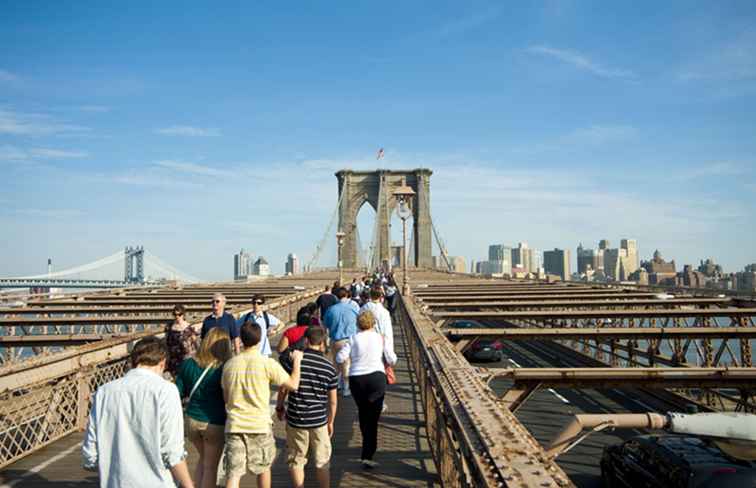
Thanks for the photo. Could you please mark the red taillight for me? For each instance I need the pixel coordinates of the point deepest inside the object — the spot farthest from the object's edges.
(725, 471)
(498, 345)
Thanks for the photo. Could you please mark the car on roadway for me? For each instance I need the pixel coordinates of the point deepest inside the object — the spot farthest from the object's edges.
(461, 324)
(673, 461)
(485, 350)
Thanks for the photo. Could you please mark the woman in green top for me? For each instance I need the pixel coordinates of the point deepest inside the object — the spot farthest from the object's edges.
(199, 380)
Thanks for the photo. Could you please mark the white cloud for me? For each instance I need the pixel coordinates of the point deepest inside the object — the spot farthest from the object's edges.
(189, 131)
(599, 134)
(7, 76)
(30, 124)
(13, 153)
(581, 61)
(468, 23)
(192, 168)
(51, 213)
(715, 169)
(734, 60)
(58, 153)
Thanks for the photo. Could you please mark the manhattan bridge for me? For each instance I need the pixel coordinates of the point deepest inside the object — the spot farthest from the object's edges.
(576, 366)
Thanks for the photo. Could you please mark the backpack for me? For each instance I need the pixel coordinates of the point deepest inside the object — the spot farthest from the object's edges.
(265, 317)
(285, 357)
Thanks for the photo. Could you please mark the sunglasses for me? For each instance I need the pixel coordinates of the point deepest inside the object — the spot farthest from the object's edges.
(217, 301)
(177, 314)
(258, 302)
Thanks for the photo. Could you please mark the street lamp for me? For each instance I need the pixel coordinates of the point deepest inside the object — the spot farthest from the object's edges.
(404, 196)
(340, 241)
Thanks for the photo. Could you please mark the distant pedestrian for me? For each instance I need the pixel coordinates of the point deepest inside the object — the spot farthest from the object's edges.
(268, 322)
(367, 380)
(221, 318)
(182, 339)
(311, 411)
(341, 322)
(247, 377)
(325, 300)
(199, 380)
(135, 432)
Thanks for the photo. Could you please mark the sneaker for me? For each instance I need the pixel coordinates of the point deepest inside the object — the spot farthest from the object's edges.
(384, 407)
(346, 392)
(368, 464)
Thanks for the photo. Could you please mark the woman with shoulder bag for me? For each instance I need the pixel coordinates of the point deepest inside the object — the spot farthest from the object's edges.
(199, 381)
(367, 380)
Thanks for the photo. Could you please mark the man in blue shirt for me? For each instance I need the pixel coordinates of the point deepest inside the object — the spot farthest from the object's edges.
(268, 322)
(341, 322)
(223, 319)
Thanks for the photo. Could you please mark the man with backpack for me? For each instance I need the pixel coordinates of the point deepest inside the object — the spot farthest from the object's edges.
(268, 322)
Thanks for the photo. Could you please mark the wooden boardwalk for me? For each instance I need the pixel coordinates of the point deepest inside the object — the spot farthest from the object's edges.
(403, 453)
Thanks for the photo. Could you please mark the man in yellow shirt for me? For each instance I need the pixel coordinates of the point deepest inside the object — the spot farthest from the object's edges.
(250, 445)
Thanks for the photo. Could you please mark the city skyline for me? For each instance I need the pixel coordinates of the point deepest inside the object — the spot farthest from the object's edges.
(195, 140)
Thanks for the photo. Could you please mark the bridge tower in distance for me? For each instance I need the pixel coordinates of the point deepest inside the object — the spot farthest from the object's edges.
(376, 188)
(133, 264)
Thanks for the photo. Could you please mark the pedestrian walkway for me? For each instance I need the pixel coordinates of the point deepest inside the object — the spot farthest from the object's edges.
(403, 453)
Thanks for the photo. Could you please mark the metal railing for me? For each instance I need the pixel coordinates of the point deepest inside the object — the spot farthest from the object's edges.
(474, 439)
(46, 398)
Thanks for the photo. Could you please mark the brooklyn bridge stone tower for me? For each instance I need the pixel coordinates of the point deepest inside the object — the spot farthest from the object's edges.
(377, 189)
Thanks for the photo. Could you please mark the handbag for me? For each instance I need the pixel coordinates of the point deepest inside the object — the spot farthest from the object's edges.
(388, 369)
(390, 374)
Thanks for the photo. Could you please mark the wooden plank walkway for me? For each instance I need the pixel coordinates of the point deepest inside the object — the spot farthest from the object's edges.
(403, 453)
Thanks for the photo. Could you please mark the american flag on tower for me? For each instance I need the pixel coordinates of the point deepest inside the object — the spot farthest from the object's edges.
(380, 154)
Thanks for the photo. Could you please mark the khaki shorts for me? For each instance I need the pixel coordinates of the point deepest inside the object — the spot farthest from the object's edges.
(300, 441)
(248, 452)
(197, 431)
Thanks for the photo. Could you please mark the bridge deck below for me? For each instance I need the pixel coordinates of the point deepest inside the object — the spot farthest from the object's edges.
(403, 451)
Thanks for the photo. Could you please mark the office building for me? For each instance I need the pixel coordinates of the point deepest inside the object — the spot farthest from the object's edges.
(557, 262)
(243, 265)
(292, 264)
(659, 270)
(587, 259)
(523, 258)
(499, 260)
(261, 268)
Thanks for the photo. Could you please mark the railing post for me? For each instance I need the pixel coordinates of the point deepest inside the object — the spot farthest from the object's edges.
(84, 392)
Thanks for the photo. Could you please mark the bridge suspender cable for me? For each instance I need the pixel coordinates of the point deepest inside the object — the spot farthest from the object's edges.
(321, 244)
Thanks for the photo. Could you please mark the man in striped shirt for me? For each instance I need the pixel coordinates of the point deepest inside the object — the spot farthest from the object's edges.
(311, 411)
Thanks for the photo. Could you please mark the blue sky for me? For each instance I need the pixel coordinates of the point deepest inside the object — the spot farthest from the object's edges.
(196, 129)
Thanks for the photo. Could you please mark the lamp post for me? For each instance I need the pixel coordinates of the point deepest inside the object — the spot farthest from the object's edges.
(404, 196)
(340, 241)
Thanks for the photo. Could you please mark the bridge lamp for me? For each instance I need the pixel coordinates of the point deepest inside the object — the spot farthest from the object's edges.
(340, 242)
(404, 196)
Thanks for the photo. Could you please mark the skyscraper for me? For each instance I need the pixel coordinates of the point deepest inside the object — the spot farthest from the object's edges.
(292, 264)
(524, 257)
(499, 260)
(242, 265)
(557, 262)
(586, 258)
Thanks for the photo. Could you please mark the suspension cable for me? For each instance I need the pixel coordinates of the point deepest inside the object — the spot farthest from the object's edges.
(321, 244)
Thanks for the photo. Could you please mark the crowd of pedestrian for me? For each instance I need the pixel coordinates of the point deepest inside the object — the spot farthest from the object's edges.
(212, 385)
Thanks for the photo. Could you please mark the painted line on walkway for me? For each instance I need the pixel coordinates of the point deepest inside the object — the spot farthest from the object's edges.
(36, 469)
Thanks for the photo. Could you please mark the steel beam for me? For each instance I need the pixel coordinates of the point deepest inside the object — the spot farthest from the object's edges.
(608, 333)
(598, 314)
(629, 377)
(581, 303)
